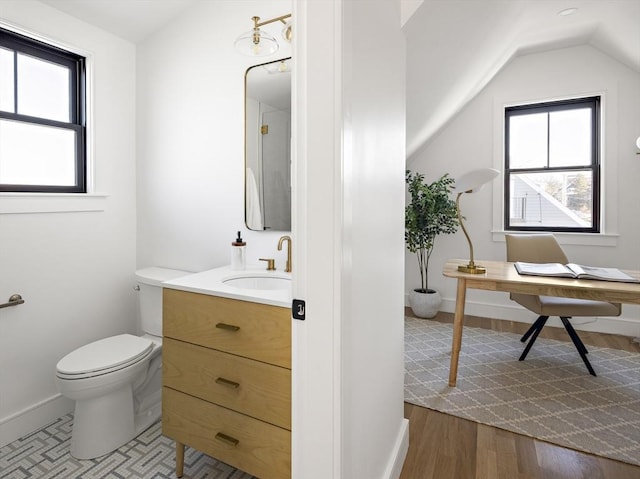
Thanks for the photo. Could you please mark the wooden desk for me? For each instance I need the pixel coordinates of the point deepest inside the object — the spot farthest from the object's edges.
(502, 276)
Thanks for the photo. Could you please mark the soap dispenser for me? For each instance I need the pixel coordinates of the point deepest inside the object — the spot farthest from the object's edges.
(238, 256)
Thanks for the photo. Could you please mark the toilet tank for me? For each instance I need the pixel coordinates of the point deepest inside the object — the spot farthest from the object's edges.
(150, 296)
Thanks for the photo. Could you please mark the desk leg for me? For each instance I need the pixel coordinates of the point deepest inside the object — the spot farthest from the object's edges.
(458, 323)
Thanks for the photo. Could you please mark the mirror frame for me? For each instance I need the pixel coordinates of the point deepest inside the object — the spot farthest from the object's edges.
(246, 162)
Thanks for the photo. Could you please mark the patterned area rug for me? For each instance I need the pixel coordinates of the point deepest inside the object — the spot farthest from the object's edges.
(550, 396)
(45, 455)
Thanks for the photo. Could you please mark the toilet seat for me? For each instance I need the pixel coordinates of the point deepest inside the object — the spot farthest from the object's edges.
(104, 356)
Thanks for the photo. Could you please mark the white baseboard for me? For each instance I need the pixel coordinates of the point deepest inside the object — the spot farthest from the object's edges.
(33, 418)
(626, 325)
(399, 452)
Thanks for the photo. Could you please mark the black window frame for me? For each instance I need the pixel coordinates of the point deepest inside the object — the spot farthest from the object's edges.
(77, 106)
(593, 103)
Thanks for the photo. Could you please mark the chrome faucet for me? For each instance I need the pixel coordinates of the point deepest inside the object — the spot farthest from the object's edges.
(287, 268)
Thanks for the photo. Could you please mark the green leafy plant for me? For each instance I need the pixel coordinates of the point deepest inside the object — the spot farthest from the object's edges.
(430, 212)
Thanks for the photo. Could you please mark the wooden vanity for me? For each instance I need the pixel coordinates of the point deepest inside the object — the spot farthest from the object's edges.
(226, 372)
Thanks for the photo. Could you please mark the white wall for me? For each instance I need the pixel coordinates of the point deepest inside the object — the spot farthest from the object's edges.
(190, 200)
(348, 211)
(373, 170)
(474, 139)
(74, 269)
(190, 164)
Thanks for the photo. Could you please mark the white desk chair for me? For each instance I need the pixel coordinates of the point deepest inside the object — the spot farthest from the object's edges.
(543, 248)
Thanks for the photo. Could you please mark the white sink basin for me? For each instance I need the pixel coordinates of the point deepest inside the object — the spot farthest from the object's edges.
(255, 284)
(258, 282)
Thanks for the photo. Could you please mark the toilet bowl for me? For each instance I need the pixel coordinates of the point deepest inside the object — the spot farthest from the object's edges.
(116, 381)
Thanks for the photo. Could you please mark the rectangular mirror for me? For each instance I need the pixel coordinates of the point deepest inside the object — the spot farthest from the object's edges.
(267, 146)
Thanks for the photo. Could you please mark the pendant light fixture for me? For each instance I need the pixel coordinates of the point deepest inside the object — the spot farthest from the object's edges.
(258, 43)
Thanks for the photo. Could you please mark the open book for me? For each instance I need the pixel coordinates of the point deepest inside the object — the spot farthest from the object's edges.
(572, 270)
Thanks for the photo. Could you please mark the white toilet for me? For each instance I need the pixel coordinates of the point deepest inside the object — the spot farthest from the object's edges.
(116, 382)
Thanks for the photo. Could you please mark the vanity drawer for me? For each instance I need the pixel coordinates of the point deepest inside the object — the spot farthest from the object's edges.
(253, 330)
(254, 388)
(262, 449)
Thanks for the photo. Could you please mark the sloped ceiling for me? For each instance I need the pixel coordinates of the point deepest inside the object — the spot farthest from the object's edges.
(455, 47)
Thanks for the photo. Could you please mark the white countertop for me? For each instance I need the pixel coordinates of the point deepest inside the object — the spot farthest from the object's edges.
(211, 282)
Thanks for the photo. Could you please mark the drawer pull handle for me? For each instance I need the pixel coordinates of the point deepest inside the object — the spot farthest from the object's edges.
(232, 441)
(226, 382)
(228, 327)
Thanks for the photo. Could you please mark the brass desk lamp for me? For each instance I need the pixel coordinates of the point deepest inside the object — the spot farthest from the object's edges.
(472, 182)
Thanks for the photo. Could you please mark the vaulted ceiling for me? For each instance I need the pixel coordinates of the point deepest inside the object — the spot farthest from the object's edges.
(454, 47)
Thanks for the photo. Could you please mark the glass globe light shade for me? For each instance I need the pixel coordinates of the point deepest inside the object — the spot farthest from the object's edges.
(256, 43)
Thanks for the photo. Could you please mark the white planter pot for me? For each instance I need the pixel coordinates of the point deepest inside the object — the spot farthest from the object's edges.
(425, 305)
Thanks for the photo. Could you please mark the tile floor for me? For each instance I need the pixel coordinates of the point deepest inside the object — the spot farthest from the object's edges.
(44, 454)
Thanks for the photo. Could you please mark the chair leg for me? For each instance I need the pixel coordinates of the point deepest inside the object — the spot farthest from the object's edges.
(573, 334)
(582, 350)
(540, 322)
(534, 326)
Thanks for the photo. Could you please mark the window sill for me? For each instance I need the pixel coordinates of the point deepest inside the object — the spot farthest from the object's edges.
(27, 203)
(585, 239)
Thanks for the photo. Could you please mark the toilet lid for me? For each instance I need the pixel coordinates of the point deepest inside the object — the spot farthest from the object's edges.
(109, 353)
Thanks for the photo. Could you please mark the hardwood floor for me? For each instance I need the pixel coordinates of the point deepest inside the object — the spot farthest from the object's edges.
(447, 447)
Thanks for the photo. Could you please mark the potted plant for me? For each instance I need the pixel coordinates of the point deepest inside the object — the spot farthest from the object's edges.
(430, 212)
